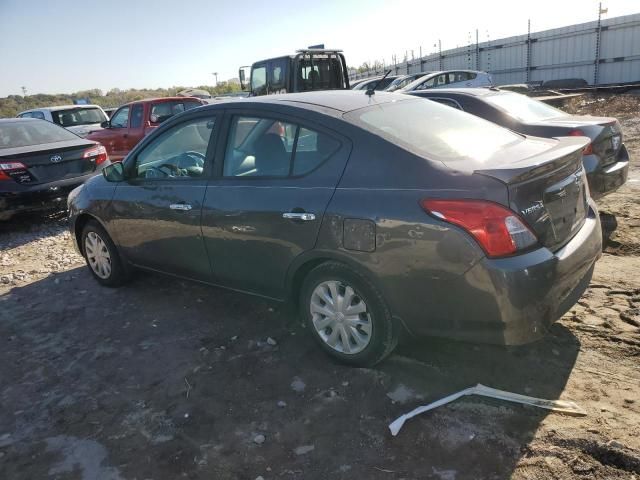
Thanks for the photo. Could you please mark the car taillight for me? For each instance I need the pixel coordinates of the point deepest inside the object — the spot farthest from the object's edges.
(99, 152)
(588, 150)
(499, 231)
(6, 167)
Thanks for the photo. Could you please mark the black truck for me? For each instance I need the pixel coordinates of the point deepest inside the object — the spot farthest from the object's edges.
(306, 70)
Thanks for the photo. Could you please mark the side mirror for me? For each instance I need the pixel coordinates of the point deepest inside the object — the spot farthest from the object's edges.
(105, 124)
(114, 172)
(154, 118)
(242, 75)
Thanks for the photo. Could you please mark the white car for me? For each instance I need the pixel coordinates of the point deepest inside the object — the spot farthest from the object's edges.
(79, 119)
(450, 79)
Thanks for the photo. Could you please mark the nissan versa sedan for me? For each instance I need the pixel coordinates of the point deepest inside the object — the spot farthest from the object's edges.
(606, 158)
(374, 214)
(40, 163)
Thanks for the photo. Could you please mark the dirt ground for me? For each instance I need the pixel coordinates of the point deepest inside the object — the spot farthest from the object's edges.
(167, 379)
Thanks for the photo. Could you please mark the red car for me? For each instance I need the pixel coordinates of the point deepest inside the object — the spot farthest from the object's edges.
(131, 122)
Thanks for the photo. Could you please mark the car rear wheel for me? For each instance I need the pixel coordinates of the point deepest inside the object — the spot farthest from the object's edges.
(102, 256)
(347, 315)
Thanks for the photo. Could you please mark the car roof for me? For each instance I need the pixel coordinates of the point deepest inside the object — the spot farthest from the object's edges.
(19, 120)
(60, 107)
(338, 101)
(472, 92)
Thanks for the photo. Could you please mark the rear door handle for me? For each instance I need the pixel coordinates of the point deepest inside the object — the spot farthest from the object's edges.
(304, 216)
(180, 206)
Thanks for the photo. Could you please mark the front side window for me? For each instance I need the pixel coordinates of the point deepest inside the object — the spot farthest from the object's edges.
(429, 83)
(264, 147)
(120, 119)
(178, 153)
(73, 117)
(434, 131)
(278, 75)
(259, 79)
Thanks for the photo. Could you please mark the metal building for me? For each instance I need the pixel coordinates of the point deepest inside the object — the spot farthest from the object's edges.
(601, 53)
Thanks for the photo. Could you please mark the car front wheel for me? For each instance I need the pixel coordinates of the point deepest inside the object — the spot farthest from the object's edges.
(102, 256)
(347, 315)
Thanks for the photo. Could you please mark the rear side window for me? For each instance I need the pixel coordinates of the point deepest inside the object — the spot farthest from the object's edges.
(264, 147)
(136, 116)
(434, 131)
(448, 102)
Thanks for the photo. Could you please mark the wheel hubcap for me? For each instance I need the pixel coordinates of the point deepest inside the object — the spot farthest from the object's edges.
(97, 255)
(340, 317)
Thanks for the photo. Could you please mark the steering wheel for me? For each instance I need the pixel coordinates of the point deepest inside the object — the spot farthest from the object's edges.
(192, 158)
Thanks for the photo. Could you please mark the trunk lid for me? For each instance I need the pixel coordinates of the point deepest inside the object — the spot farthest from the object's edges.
(50, 162)
(548, 189)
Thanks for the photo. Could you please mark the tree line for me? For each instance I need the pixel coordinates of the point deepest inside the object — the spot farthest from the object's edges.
(13, 104)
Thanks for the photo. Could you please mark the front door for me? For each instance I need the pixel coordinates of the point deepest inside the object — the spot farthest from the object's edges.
(136, 126)
(265, 206)
(117, 133)
(157, 208)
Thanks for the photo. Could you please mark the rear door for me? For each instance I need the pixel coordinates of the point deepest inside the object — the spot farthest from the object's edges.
(157, 208)
(266, 205)
(136, 126)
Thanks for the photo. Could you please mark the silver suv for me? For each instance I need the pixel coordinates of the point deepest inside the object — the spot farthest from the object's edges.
(79, 119)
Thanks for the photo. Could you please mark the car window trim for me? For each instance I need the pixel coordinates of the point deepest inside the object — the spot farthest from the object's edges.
(117, 111)
(449, 99)
(207, 172)
(286, 118)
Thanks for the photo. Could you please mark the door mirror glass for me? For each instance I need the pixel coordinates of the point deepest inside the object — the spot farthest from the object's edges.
(105, 124)
(114, 172)
(154, 118)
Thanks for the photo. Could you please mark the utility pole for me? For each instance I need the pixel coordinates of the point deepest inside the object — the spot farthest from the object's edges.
(24, 91)
(528, 74)
(216, 75)
(440, 54)
(596, 66)
(477, 52)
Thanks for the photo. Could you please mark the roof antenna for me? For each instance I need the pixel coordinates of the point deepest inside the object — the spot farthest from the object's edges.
(372, 90)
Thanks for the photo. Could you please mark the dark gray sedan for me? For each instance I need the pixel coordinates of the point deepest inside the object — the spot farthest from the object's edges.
(606, 159)
(374, 214)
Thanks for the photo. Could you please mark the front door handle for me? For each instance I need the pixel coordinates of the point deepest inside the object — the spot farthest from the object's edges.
(180, 206)
(304, 216)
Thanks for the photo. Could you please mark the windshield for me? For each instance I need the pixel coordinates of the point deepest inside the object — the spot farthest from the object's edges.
(24, 134)
(523, 108)
(434, 131)
(78, 116)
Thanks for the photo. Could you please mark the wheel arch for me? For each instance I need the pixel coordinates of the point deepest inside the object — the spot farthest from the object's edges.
(78, 225)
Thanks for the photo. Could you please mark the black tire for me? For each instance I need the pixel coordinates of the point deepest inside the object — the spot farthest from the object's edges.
(384, 336)
(118, 274)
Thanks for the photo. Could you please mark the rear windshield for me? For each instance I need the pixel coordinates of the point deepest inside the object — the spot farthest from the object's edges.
(523, 107)
(319, 71)
(434, 131)
(165, 110)
(24, 134)
(78, 116)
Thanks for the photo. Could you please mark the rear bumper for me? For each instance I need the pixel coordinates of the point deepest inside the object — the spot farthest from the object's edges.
(513, 300)
(607, 179)
(15, 198)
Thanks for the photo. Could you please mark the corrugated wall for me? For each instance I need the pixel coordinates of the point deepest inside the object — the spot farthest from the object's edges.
(560, 53)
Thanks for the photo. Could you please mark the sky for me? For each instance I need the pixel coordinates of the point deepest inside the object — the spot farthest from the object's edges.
(62, 46)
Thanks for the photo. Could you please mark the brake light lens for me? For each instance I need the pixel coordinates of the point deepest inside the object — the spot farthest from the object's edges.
(99, 152)
(588, 150)
(6, 167)
(499, 231)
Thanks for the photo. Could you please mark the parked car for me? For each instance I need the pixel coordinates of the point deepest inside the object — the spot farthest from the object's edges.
(131, 122)
(373, 213)
(606, 159)
(450, 78)
(382, 84)
(40, 163)
(404, 80)
(80, 119)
